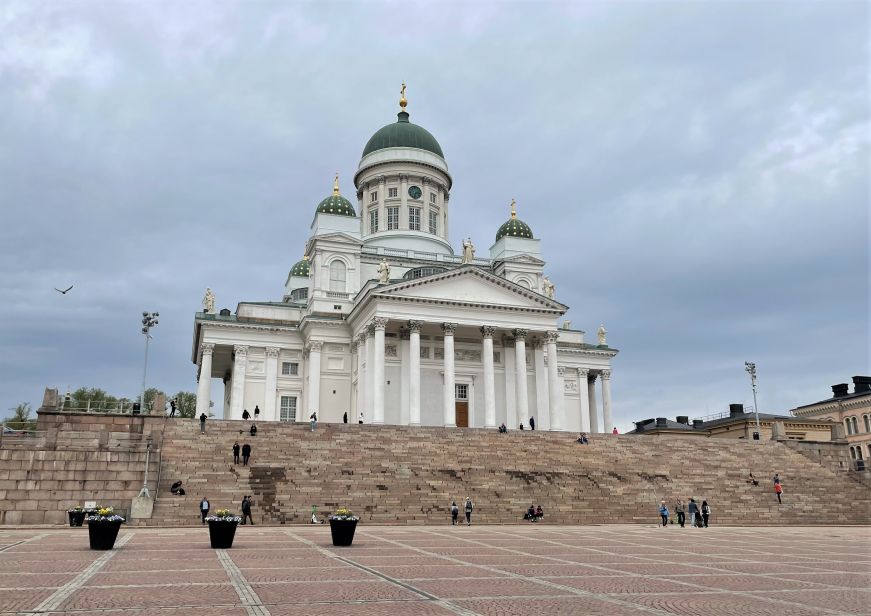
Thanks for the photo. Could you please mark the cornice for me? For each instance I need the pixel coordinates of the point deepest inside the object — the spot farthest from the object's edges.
(251, 326)
(586, 352)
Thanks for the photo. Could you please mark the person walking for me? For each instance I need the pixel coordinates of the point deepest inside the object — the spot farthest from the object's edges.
(468, 509)
(693, 510)
(778, 489)
(246, 454)
(663, 513)
(615, 431)
(455, 512)
(706, 512)
(253, 429)
(172, 408)
(204, 508)
(246, 510)
(236, 452)
(681, 515)
(256, 412)
(532, 423)
(202, 423)
(361, 418)
(314, 420)
(345, 417)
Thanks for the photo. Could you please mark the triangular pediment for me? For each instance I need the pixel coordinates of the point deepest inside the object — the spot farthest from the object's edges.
(523, 259)
(469, 285)
(336, 236)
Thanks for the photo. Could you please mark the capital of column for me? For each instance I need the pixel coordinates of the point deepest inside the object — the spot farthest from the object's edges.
(381, 179)
(403, 177)
(315, 345)
(207, 348)
(370, 330)
(582, 373)
(425, 181)
(404, 334)
(272, 351)
(488, 330)
(379, 323)
(551, 336)
(449, 328)
(240, 349)
(520, 334)
(414, 326)
(606, 375)
(360, 194)
(361, 338)
(353, 346)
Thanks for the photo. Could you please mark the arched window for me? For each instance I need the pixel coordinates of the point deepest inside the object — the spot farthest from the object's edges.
(523, 282)
(867, 420)
(855, 425)
(853, 452)
(337, 276)
(849, 425)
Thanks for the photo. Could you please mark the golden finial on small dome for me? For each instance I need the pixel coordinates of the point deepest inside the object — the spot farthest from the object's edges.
(513, 210)
(305, 257)
(402, 100)
(336, 185)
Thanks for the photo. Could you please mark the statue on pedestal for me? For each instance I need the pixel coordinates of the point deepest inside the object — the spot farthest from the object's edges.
(209, 302)
(468, 250)
(549, 287)
(602, 332)
(383, 272)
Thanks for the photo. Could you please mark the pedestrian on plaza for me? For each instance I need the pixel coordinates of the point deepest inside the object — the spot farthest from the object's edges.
(532, 423)
(256, 412)
(455, 512)
(314, 420)
(663, 513)
(204, 508)
(693, 510)
(706, 512)
(615, 431)
(679, 510)
(361, 418)
(253, 430)
(345, 417)
(172, 408)
(246, 454)
(202, 423)
(468, 509)
(246, 510)
(778, 489)
(245, 414)
(236, 452)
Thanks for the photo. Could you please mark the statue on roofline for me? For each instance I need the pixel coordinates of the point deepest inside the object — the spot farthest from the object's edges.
(602, 332)
(549, 288)
(383, 272)
(468, 250)
(209, 302)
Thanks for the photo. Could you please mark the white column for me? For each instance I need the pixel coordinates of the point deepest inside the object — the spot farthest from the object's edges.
(380, 324)
(404, 376)
(520, 363)
(314, 380)
(237, 395)
(606, 402)
(594, 411)
(554, 391)
(271, 385)
(204, 386)
(370, 382)
(542, 401)
(448, 395)
(510, 383)
(585, 398)
(361, 377)
(489, 378)
(414, 373)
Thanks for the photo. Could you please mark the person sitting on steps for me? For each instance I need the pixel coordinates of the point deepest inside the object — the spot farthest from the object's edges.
(582, 439)
(177, 489)
(539, 514)
(752, 479)
(253, 430)
(530, 514)
(503, 429)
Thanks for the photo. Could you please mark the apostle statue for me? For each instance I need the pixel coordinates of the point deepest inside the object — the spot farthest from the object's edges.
(383, 272)
(209, 302)
(602, 332)
(549, 287)
(468, 250)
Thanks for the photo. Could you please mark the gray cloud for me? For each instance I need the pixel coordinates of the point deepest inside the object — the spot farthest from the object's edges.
(698, 174)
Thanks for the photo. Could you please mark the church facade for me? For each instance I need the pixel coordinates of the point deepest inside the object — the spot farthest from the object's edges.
(382, 322)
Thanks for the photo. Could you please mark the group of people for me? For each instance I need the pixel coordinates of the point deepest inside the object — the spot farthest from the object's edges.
(582, 439)
(699, 514)
(455, 512)
(778, 487)
(245, 451)
(533, 514)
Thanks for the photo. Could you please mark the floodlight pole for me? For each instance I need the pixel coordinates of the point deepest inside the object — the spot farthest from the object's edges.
(750, 368)
(149, 320)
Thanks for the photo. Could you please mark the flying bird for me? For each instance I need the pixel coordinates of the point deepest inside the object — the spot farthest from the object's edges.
(64, 292)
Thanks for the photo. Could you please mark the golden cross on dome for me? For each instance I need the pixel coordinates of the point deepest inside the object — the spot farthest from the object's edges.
(513, 209)
(336, 185)
(402, 100)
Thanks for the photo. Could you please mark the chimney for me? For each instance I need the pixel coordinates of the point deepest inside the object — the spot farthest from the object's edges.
(661, 422)
(840, 390)
(697, 423)
(735, 410)
(683, 419)
(861, 384)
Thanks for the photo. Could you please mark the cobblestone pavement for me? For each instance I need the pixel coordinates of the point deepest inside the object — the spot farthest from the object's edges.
(498, 570)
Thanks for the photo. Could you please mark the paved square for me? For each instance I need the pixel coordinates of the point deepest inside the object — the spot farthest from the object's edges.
(499, 570)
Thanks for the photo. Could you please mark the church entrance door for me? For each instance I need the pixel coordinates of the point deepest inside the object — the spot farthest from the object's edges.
(462, 409)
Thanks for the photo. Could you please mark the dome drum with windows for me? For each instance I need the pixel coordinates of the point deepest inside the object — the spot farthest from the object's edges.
(336, 204)
(514, 227)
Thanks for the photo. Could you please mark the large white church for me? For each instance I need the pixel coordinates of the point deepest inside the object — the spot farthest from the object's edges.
(382, 321)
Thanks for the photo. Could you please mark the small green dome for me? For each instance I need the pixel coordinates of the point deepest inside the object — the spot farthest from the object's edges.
(300, 268)
(403, 134)
(514, 227)
(336, 203)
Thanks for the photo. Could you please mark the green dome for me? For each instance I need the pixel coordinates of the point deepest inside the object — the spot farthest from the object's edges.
(514, 227)
(336, 204)
(300, 268)
(403, 134)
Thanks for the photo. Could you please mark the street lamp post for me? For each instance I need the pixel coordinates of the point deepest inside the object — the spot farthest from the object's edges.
(149, 320)
(750, 368)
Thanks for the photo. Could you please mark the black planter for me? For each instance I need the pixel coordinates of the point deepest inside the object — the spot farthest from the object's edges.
(221, 534)
(77, 518)
(343, 531)
(103, 534)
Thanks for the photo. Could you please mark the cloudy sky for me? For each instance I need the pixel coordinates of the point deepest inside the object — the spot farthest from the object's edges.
(698, 174)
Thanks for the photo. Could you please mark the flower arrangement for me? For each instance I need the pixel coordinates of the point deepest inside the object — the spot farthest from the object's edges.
(223, 515)
(105, 514)
(344, 514)
(75, 509)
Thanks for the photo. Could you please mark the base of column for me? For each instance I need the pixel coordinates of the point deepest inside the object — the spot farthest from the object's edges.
(489, 425)
(415, 424)
(450, 425)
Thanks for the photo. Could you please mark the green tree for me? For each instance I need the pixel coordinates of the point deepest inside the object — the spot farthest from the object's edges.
(91, 397)
(186, 404)
(148, 398)
(21, 418)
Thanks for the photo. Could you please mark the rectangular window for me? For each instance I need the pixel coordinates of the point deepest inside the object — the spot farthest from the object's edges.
(288, 408)
(373, 196)
(433, 222)
(414, 218)
(289, 368)
(432, 198)
(373, 221)
(462, 392)
(392, 193)
(392, 218)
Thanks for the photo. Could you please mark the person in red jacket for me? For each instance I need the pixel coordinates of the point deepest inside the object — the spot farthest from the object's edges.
(614, 431)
